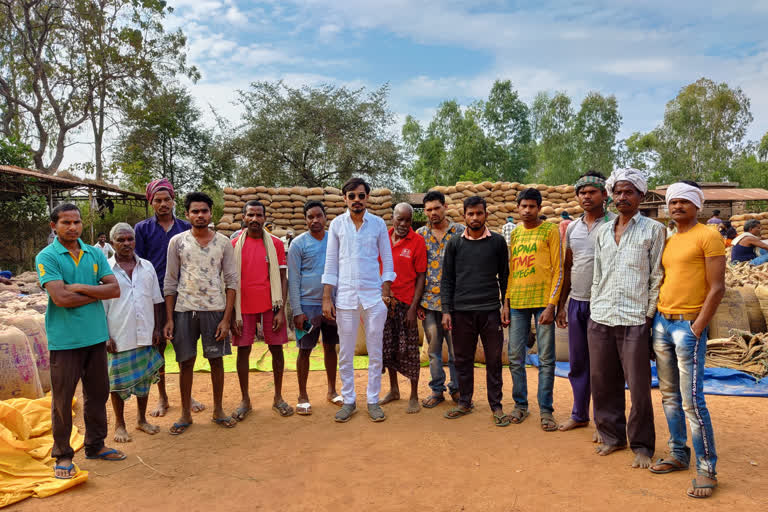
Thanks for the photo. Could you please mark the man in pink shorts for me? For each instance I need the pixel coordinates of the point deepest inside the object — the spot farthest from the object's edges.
(261, 298)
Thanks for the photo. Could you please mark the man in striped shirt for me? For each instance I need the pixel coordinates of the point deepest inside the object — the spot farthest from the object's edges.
(625, 289)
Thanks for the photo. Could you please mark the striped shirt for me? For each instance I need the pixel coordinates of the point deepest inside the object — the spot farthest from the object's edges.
(627, 276)
(507, 229)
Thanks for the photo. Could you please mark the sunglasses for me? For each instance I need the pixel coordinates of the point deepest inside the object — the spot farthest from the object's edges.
(360, 195)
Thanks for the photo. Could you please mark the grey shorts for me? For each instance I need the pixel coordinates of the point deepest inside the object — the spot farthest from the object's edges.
(191, 325)
(326, 327)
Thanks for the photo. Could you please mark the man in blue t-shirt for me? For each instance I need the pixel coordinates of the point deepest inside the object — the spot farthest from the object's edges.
(77, 278)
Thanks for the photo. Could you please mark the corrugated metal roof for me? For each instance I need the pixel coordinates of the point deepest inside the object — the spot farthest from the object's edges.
(729, 194)
(67, 182)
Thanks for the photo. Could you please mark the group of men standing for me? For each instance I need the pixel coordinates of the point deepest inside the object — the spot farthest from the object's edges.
(616, 280)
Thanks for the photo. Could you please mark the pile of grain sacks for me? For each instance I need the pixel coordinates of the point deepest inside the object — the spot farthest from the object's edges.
(501, 198)
(738, 221)
(285, 206)
(25, 369)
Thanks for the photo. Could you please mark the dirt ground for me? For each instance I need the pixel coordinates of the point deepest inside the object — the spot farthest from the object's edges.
(409, 462)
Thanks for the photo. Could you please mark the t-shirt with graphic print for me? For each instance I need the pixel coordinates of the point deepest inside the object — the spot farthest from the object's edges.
(535, 267)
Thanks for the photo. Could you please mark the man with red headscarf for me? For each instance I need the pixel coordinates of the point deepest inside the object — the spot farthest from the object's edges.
(152, 237)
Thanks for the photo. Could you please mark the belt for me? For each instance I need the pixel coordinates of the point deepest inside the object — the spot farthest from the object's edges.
(685, 316)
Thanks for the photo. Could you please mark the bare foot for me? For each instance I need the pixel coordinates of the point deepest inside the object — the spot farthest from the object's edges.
(413, 406)
(122, 435)
(65, 473)
(596, 437)
(571, 424)
(160, 409)
(606, 449)
(702, 492)
(148, 428)
(197, 406)
(641, 461)
(391, 397)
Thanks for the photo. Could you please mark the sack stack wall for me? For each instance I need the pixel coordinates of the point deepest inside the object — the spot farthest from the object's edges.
(738, 221)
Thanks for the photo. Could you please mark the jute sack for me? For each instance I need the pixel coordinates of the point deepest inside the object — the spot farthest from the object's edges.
(18, 372)
(761, 292)
(33, 327)
(730, 314)
(754, 311)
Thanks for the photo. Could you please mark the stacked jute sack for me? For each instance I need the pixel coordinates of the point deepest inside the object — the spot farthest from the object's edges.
(738, 221)
(501, 199)
(285, 206)
(25, 369)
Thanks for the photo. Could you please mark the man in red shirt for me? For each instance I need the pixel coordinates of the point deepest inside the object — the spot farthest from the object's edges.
(261, 299)
(401, 333)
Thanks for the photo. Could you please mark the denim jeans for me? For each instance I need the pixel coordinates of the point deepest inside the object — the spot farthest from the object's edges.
(519, 329)
(433, 331)
(760, 259)
(680, 366)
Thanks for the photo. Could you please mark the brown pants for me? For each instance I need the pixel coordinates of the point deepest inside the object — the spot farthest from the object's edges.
(617, 354)
(88, 364)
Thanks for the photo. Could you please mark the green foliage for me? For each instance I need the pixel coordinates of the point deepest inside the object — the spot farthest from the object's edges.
(490, 139)
(166, 138)
(315, 136)
(13, 152)
(596, 127)
(25, 230)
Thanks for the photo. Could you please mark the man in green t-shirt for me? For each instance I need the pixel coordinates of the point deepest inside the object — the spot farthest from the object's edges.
(77, 278)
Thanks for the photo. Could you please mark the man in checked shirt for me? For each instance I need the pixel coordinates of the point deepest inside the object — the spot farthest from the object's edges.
(625, 289)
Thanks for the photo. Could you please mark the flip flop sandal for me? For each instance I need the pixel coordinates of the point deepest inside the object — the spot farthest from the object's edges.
(65, 468)
(240, 414)
(548, 423)
(228, 422)
(673, 465)
(337, 400)
(178, 428)
(106, 455)
(283, 409)
(703, 486)
(457, 412)
(518, 415)
(432, 401)
(501, 420)
(304, 409)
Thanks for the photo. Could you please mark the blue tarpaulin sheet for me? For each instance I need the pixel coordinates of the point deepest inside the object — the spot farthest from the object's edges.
(717, 381)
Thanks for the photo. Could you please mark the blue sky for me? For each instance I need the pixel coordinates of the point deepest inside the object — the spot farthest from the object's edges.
(430, 51)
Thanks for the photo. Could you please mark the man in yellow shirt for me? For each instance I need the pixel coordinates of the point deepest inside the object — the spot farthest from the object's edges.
(533, 290)
(694, 283)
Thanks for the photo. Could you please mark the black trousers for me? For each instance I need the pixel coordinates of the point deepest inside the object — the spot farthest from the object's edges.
(467, 326)
(88, 364)
(618, 354)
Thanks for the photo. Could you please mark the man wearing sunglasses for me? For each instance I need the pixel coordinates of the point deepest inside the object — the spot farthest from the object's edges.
(356, 241)
(306, 261)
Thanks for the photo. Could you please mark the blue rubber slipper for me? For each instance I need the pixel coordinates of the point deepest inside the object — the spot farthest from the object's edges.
(179, 428)
(105, 455)
(65, 468)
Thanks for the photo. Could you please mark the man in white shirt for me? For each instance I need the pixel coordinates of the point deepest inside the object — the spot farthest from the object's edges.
(356, 241)
(134, 331)
(104, 246)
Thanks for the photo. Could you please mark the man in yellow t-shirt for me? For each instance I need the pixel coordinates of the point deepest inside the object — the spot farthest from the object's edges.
(694, 283)
(533, 290)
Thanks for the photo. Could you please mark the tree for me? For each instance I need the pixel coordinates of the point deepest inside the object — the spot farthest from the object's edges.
(552, 119)
(166, 138)
(702, 133)
(596, 127)
(13, 152)
(315, 136)
(489, 140)
(67, 62)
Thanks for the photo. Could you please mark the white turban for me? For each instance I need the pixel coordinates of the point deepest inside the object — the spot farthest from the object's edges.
(634, 176)
(685, 191)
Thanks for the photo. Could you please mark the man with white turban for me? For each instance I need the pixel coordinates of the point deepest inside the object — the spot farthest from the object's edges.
(625, 288)
(694, 283)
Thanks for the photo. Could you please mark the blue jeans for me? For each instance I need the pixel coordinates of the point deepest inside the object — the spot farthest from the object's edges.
(519, 329)
(433, 331)
(760, 259)
(680, 366)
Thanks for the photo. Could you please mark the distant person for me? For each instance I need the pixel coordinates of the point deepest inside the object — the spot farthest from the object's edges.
(506, 229)
(134, 331)
(748, 246)
(104, 246)
(77, 278)
(715, 218)
(200, 287)
(565, 219)
(728, 232)
(152, 237)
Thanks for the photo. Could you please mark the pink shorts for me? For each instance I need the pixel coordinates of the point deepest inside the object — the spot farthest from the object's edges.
(251, 323)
